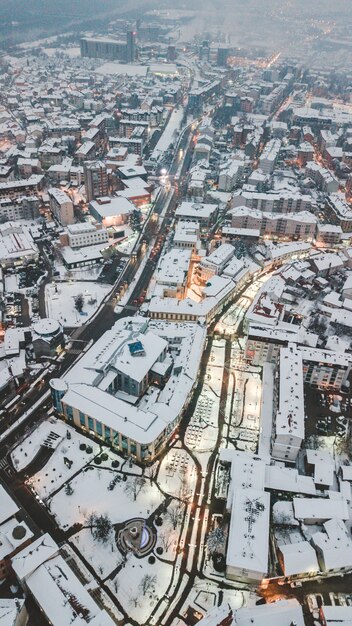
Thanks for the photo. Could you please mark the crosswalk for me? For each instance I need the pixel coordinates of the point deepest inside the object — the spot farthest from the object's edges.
(5, 467)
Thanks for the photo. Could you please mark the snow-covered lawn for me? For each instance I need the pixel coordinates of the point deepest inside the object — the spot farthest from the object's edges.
(167, 539)
(91, 495)
(59, 469)
(129, 583)
(25, 452)
(103, 557)
(177, 469)
(60, 301)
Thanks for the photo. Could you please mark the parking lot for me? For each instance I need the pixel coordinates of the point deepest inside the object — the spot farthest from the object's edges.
(328, 414)
(112, 270)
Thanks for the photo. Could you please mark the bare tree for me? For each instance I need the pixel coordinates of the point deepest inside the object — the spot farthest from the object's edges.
(134, 486)
(147, 583)
(166, 541)
(175, 513)
(152, 471)
(216, 540)
(183, 492)
(135, 601)
(91, 520)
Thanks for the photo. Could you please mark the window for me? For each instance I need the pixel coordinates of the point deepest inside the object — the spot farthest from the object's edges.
(82, 419)
(133, 447)
(69, 412)
(90, 423)
(99, 428)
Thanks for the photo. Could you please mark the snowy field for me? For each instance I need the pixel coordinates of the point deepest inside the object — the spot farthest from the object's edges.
(60, 301)
(66, 461)
(138, 604)
(176, 469)
(91, 495)
(26, 451)
(103, 557)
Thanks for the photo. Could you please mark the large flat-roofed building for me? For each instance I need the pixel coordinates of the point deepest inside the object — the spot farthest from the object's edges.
(289, 421)
(320, 510)
(16, 244)
(284, 201)
(111, 210)
(131, 388)
(247, 553)
(172, 273)
(248, 544)
(216, 261)
(61, 206)
(203, 214)
(109, 48)
(281, 613)
(293, 226)
(186, 235)
(86, 234)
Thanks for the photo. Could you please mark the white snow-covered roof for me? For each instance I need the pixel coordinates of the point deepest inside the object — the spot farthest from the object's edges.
(333, 615)
(8, 507)
(323, 466)
(288, 479)
(249, 531)
(195, 210)
(31, 557)
(299, 558)
(215, 616)
(173, 267)
(346, 472)
(89, 379)
(10, 609)
(326, 261)
(59, 195)
(327, 357)
(221, 255)
(46, 327)
(290, 416)
(12, 535)
(335, 544)
(310, 509)
(63, 599)
(281, 613)
(112, 206)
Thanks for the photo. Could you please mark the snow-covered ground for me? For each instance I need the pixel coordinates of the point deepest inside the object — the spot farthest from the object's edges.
(59, 468)
(91, 495)
(103, 557)
(25, 452)
(139, 605)
(60, 301)
(176, 469)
